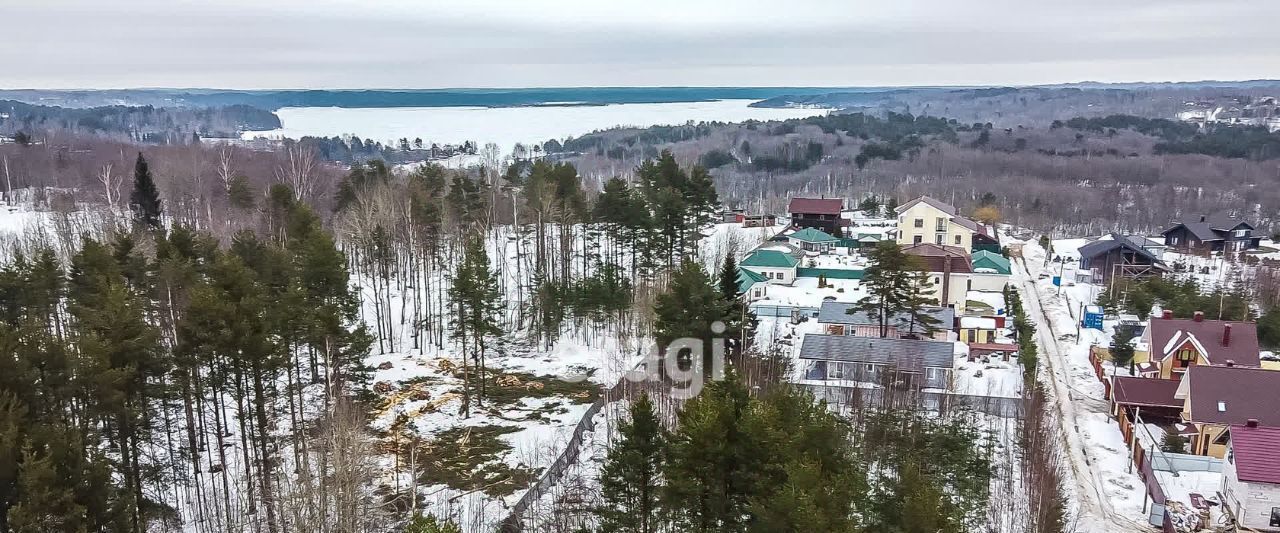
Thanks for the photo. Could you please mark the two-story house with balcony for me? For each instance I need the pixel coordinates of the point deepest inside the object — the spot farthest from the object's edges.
(1174, 344)
(1220, 232)
(927, 220)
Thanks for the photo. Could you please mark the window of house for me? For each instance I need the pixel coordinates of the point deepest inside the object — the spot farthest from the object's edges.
(957, 240)
(1242, 232)
(835, 370)
(919, 222)
(941, 224)
(938, 239)
(918, 239)
(1275, 517)
(1186, 354)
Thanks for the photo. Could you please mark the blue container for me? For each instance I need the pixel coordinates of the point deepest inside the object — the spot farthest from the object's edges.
(1057, 281)
(1092, 317)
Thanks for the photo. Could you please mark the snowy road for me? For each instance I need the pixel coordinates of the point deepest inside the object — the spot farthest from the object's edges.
(1094, 511)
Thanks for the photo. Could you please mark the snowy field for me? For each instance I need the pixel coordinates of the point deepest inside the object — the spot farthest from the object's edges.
(507, 126)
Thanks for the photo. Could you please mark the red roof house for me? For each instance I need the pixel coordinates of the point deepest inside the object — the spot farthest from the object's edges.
(1216, 397)
(818, 213)
(1177, 343)
(1251, 476)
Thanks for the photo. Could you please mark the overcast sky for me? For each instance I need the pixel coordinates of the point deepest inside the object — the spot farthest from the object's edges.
(529, 43)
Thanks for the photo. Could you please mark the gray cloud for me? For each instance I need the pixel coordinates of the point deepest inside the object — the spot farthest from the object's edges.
(505, 43)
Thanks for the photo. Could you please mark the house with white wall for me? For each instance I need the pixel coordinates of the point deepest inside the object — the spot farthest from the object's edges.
(950, 273)
(928, 220)
(776, 266)
(1251, 476)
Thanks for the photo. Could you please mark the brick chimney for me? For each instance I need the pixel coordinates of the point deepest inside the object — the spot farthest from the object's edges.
(1199, 316)
(1251, 423)
(1167, 314)
(946, 278)
(1226, 334)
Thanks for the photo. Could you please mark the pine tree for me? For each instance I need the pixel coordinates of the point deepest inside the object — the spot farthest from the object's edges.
(476, 301)
(46, 505)
(870, 205)
(1122, 348)
(713, 461)
(891, 208)
(892, 280)
(690, 308)
(430, 524)
(145, 198)
(729, 278)
(630, 479)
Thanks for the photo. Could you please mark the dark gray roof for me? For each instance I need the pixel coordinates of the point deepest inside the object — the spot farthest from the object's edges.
(1132, 243)
(1201, 230)
(908, 355)
(1210, 227)
(837, 313)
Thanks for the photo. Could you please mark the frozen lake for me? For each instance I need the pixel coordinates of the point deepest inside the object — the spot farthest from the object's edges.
(508, 125)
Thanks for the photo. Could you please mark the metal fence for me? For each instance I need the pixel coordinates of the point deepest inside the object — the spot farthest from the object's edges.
(1181, 462)
(783, 310)
(553, 474)
(847, 396)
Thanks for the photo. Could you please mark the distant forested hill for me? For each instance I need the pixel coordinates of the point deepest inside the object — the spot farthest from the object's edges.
(137, 123)
(273, 100)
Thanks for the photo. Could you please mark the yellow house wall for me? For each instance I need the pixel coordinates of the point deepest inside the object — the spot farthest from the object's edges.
(1166, 366)
(980, 335)
(907, 230)
(1204, 441)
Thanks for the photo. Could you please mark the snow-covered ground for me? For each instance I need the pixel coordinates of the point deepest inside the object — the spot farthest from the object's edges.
(1104, 494)
(986, 376)
(804, 292)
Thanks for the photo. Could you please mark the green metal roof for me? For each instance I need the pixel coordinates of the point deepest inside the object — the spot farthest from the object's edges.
(770, 259)
(994, 261)
(829, 273)
(747, 279)
(812, 235)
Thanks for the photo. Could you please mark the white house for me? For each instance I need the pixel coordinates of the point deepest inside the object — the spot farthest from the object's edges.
(776, 266)
(1251, 476)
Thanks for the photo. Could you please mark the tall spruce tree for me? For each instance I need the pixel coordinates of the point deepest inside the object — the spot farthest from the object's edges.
(739, 321)
(713, 461)
(476, 301)
(1122, 348)
(892, 279)
(690, 308)
(145, 198)
(630, 480)
(728, 280)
